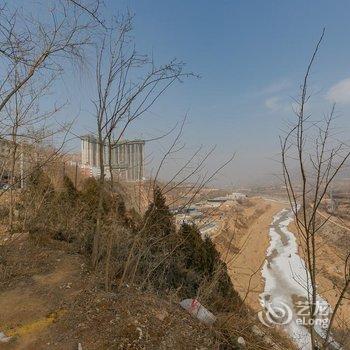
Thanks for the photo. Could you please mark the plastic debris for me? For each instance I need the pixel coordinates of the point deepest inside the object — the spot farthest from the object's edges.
(241, 342)
(80, 347)
(196, 309)
(4, 338)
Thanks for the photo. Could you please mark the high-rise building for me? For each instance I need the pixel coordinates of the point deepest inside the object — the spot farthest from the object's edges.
(127, 158)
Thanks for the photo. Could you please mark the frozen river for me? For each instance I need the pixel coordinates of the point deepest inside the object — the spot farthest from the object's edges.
(286, 286)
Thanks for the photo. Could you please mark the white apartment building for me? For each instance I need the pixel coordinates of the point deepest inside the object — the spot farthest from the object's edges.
(127, 158)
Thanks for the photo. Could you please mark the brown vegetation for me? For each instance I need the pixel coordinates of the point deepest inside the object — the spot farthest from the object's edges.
(151, 266)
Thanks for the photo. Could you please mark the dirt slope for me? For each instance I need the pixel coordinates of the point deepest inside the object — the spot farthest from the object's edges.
(49, 301)
(331, 246)
(247, 232)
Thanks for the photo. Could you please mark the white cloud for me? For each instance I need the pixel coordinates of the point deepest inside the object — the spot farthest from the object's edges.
(340, 92)
(280, 104)
(276, 87)
(273, 103)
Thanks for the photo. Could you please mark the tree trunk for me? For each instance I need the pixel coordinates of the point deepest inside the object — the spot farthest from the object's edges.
(97, 236)
(12, 182)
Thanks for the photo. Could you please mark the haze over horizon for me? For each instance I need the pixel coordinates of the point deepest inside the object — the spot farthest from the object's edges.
(251, 57)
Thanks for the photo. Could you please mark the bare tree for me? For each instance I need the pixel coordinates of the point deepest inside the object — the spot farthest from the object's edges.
(193, 176)
(22, 130)
(311, 159)
(91, 8)
(31, 46)
(34, 53)
(128, 84)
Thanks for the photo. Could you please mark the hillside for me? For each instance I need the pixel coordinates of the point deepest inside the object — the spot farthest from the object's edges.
(54, 296)
(50, 299)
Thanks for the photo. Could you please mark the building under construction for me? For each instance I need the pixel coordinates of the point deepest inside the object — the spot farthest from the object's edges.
(127, 158)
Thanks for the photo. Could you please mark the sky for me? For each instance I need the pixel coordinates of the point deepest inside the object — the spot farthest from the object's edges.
(251, 56)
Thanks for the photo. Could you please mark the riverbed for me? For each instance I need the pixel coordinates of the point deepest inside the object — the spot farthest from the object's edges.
(286, 289)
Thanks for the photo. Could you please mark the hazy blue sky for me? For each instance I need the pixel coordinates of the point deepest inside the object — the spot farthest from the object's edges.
(251, 56)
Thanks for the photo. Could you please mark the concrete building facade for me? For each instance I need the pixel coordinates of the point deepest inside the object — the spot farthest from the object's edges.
(127, 158)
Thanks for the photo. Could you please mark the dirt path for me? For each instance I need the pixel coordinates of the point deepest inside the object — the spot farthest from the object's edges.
(333, 220)
(250, 229)
(36, 287)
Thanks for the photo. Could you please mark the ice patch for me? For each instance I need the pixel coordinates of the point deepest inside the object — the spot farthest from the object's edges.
(286, 278)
